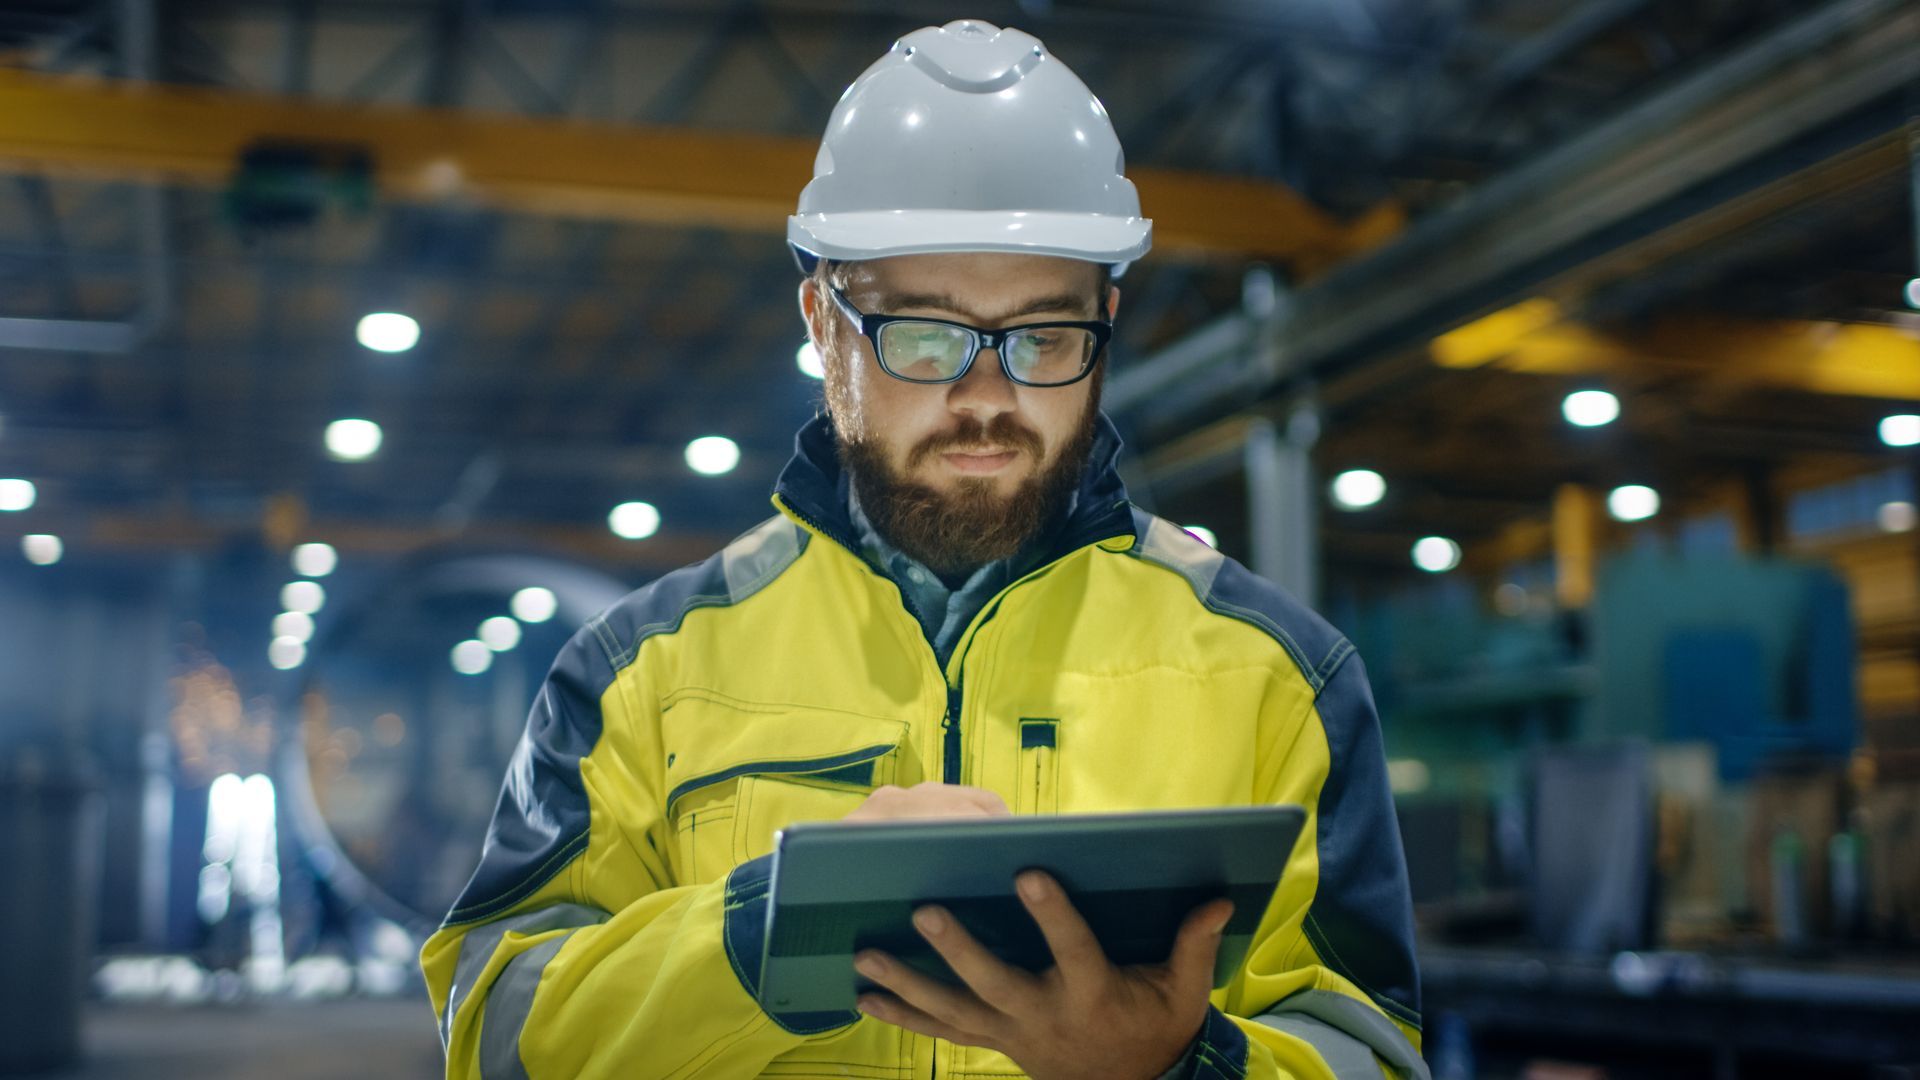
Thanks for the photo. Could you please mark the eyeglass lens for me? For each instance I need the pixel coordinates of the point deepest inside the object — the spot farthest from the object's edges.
(933, 352)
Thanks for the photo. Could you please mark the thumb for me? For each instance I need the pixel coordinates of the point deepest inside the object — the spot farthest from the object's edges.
(1198, 944)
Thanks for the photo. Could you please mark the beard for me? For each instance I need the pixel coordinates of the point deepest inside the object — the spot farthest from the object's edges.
(956, 531)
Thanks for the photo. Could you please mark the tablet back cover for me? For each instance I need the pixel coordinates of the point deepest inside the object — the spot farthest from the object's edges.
(840, 887)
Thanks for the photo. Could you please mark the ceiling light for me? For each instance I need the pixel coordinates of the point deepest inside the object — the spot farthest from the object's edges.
(1436, 554)
(286, 653)
(1590, 408)
(1357, 489)
(305, 597)
(808, 358)
(387, 331)
(1203, 534)
(16, 494)
(353, 440)
(1902, 429)
(1633, 502)
(712, 455)
(42, 549)
(315, 560)
(500, 633)
(472, 657)
(634, 520)
(534, 604)
(297, 625)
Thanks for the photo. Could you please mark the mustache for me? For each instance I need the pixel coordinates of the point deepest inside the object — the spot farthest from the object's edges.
(974, 437)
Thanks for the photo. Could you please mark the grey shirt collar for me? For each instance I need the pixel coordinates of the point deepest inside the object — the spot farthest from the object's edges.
(943, 613)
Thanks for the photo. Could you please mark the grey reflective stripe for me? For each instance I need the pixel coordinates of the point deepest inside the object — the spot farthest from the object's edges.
(759, 556)
(1348, 1033)
(508, 1004)
(1173, 547)
(477, 948)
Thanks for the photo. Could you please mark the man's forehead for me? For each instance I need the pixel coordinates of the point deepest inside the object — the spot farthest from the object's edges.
(979, 283)
(972, 270)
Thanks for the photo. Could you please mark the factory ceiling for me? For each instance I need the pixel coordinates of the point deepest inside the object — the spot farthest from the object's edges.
(580, 203)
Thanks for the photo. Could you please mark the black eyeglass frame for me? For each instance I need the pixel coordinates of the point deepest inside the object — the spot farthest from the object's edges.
(982, 338)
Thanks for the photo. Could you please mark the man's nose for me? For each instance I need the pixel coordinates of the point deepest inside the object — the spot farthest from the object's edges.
(984, 390)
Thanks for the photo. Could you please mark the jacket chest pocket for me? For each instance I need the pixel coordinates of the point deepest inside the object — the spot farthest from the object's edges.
(738, 772)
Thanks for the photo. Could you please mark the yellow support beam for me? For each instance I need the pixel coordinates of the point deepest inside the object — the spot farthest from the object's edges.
(1847, 359)
(1578, 538)
(570, 168)
(1496, 336)
(1531, 336)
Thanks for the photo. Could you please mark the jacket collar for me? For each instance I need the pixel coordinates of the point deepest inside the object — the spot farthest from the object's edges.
(813, 487)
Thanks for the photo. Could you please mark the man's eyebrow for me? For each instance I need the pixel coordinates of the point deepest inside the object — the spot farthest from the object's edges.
(1064, 302)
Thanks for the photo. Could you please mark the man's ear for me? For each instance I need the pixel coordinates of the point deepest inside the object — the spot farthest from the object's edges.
(1113, 302)
(810, 309)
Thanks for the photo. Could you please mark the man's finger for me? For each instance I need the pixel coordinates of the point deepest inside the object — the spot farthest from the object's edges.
(957, 1008)
(891, 1010)
(990, 801)
(997, 983)
(1198, 944)
(1076, 951)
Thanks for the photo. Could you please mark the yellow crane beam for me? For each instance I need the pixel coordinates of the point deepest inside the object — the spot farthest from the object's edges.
(1847, 359)
(666, 176)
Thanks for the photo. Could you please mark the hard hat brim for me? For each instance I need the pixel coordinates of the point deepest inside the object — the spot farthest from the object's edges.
(880, 234)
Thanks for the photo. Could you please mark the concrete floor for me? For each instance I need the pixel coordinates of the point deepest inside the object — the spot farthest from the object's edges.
(322, 1040)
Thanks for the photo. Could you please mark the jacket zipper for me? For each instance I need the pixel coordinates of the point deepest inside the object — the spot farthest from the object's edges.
(951, 757)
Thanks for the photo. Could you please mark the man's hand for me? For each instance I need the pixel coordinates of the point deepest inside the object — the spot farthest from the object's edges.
(1083, 1017)
(929, 800)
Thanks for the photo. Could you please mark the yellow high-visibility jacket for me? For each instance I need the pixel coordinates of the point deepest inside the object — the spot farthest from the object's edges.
(615, 923)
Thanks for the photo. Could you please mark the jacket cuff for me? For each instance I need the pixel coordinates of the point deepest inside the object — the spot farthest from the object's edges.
(744, 929)
(1220, 1052)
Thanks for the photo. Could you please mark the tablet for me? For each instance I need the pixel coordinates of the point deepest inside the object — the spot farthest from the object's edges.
(838, 887)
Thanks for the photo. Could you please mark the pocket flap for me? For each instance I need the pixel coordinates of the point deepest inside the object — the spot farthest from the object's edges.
(711, 739)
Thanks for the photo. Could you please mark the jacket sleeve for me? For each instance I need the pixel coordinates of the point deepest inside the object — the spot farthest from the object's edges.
(1329, 986)
(573, 952)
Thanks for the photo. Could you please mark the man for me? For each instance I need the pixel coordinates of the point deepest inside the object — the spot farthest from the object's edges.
(956, 612)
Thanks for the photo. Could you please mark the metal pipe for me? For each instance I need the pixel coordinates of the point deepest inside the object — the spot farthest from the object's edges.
(1513, 228)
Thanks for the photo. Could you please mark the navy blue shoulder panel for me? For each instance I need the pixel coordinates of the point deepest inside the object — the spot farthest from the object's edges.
(1361, 918)
(540, 822)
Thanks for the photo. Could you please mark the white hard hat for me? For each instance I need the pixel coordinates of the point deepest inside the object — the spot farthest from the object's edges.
(967, 137)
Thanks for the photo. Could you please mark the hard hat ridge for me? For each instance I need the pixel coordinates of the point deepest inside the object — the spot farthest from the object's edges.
(998, 61)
